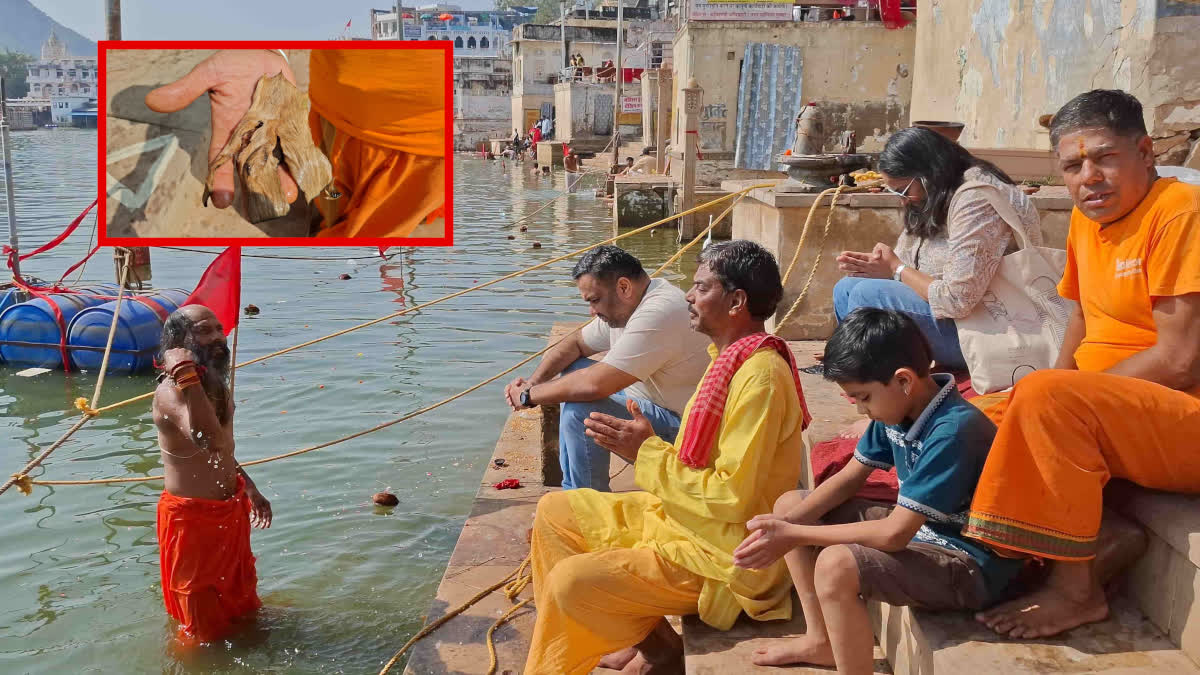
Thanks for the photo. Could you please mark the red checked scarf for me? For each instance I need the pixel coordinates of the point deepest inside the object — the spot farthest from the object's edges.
(705, 417)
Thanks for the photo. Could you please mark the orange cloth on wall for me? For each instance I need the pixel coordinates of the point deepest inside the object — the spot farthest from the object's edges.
(208, 575)
(393, 98)
(1152, 252)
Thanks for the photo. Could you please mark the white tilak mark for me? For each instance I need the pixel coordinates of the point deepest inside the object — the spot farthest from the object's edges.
(136, 199)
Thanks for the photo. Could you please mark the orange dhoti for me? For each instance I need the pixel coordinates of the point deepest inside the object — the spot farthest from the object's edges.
(208, 575)
(1064, 434)
(380, 117)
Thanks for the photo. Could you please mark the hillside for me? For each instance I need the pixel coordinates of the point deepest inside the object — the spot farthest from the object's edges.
(23, 28)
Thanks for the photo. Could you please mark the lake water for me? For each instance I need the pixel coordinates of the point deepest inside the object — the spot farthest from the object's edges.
(344, 584)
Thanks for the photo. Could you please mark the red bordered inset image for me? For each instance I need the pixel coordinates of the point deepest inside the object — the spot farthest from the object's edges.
(337, 143)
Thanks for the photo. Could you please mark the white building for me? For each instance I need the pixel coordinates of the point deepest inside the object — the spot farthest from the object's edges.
(474, 33)
(57, 73)
(61, 107)
(482, 67)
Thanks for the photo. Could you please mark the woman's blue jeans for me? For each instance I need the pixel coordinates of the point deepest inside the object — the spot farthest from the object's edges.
(853, 292)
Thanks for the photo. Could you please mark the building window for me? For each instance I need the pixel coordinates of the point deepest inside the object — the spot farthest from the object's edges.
(483, 42)
(59, 73)
(71, 73)
(471, 42)
(458, 43)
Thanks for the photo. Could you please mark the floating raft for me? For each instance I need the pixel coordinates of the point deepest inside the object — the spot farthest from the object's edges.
(31, 332)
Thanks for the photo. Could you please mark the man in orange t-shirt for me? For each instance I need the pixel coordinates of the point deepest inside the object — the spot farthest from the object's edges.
(1124, 399)
(378, 114)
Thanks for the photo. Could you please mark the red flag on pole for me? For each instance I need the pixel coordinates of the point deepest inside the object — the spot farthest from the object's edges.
(220, 288)
(383, 251)
(348, 24)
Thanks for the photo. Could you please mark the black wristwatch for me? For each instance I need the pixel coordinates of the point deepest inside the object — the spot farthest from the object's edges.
(525, 402)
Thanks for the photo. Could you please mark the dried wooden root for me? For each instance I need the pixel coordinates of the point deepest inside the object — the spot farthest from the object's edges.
(273, 131)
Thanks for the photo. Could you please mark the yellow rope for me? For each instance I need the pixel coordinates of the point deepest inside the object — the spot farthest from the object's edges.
(451, 296)
(738, 196)
(141, 479)
(21, 479)
(812, 274)
(429, 628)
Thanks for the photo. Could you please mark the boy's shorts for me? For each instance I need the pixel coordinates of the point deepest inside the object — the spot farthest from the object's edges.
(922, 575)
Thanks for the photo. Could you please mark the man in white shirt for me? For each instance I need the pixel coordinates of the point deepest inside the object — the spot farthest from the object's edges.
(653, 357)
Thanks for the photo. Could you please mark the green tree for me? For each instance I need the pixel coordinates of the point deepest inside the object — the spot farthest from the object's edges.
(14, 69)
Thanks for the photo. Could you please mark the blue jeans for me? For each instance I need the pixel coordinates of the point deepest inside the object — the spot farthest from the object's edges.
(853, 292)
(584, 463)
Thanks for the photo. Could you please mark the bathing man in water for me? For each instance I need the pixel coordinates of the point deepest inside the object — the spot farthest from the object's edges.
(209, 503)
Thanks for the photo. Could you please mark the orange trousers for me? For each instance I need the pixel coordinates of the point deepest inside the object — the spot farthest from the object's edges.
(384, 192)
(1063, 435)
(208, 575)
(592, 603)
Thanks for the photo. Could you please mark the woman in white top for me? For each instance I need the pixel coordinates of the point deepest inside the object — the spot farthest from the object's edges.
(951, 245)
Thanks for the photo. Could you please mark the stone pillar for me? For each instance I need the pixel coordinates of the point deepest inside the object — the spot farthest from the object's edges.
(692, 95)
(649, 103)
(662, 114)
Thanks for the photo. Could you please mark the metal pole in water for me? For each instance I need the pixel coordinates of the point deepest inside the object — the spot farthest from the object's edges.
(620, 76)
(112, 19)
(8, 183)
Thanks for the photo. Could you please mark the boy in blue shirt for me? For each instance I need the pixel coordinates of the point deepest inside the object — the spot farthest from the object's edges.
(842, 551)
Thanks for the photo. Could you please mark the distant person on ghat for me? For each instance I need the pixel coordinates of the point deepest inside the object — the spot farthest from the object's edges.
(378, 114)
(208, 502)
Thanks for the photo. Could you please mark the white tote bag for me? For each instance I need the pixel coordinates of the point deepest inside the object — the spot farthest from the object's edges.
(1019, 324)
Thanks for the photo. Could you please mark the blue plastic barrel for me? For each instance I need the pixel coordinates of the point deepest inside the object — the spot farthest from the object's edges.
(12, 296)
(139, 328)
(29, 335)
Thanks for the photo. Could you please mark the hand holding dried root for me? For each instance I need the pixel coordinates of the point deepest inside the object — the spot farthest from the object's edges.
(273, 132)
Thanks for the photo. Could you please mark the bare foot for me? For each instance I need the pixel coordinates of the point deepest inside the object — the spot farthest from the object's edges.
(855, 430)
(618, 659)
(1044, 613)
(803, 649)
(640, 666)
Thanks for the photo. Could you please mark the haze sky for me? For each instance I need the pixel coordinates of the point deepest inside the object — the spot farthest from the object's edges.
(227, 19)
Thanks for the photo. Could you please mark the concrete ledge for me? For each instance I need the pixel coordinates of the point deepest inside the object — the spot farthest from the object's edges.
(923, 643)
(1048, 198)
(1165, 582)
(492, 544)
(708, 651)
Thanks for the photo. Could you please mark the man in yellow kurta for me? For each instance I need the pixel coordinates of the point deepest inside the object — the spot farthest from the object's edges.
(607, 568)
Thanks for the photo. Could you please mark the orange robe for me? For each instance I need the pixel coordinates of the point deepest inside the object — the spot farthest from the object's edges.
(1065, 433)
(208, 575)
(380, 117)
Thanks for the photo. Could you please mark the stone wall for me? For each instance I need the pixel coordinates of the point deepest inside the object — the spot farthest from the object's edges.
(997, 65)
(857, 71)
(479, 118)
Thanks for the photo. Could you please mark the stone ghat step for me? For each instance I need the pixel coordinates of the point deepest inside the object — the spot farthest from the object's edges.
(712, 652)
(923, 643)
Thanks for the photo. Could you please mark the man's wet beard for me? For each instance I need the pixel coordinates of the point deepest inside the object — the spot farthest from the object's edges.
(214, 359)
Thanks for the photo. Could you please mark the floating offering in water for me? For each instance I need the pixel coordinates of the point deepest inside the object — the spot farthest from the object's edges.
(251, 310)
(524, 228)
(343, 276)
(385, 499)
(537, 244)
